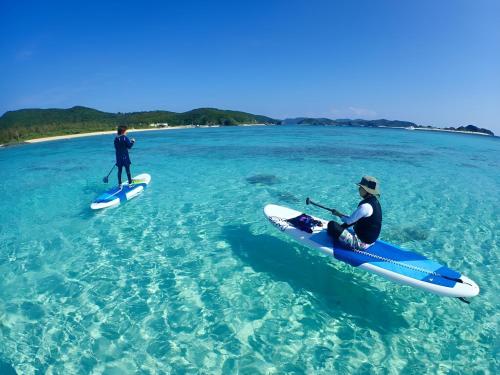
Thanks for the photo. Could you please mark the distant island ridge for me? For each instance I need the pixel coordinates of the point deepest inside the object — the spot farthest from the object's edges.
(24, 124)
(383, 123)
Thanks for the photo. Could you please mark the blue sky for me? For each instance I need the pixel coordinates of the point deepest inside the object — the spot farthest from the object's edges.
(432, 62)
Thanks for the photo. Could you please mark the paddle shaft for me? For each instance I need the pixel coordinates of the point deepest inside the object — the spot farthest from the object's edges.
(319, 205)
(332, 210)
(105, 179)
(111, 170)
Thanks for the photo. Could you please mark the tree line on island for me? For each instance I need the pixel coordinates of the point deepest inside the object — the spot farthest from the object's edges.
(18, 126)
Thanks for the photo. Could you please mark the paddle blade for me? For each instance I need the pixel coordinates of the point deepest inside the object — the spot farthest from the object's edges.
(307, 200)
(105, 180)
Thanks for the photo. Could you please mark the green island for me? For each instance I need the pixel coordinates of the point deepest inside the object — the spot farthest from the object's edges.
(24, 124)
(18, 126)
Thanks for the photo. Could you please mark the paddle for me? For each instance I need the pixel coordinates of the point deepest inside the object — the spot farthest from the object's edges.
(106, 179)
(332, 210)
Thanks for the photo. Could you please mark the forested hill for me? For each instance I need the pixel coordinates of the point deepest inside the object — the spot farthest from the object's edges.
(16, 126)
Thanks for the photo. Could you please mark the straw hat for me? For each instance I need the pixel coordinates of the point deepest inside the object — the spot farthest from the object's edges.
(370, 184)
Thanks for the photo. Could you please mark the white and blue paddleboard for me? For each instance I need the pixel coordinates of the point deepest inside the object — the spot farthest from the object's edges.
(381, 258)
(117, 195)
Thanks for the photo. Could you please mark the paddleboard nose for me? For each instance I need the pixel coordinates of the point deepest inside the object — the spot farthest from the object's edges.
(473, 288)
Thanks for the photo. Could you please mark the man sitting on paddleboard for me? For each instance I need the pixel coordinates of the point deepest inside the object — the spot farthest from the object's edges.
(367, 219)
(122, 145)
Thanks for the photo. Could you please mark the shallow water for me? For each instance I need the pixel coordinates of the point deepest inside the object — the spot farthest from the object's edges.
(189, 277)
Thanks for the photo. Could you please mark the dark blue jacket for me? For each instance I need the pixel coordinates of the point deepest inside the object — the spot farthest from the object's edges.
(122, 144)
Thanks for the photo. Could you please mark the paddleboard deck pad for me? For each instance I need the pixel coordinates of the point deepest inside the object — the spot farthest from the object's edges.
(382, 258)
(120, 194)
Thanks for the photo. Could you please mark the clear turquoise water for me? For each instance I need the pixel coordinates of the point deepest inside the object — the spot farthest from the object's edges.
(189, 277)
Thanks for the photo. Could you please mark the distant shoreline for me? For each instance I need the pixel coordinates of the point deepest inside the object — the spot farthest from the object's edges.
(34, 125)
(450, 131)
(131, 130)
(81, 135)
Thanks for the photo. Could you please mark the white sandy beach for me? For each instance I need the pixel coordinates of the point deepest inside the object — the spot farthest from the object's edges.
(450, 131)
(69, 136)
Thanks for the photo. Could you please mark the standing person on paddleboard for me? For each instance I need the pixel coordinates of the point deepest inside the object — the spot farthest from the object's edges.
(366, 219)
(122, 145)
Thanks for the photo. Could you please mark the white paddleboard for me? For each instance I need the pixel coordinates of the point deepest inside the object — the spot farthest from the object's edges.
(382, 258)
(120, 194)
